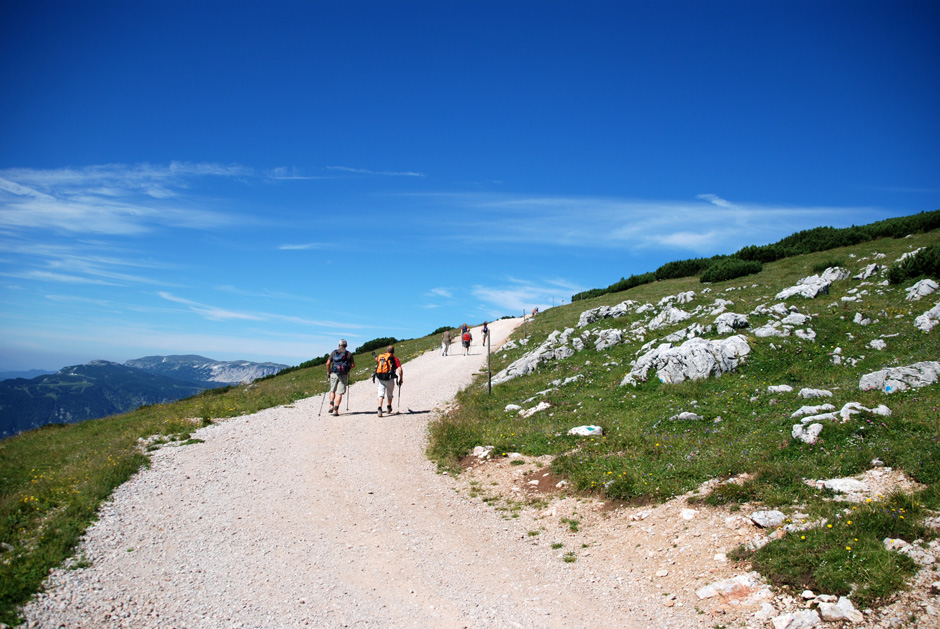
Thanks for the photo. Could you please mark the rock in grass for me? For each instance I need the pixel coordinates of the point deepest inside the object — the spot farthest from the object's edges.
(695, 359)
(808, 393)
(587, 431)
(927, 321)
(921, 289)
(768, 519)
(900, 378)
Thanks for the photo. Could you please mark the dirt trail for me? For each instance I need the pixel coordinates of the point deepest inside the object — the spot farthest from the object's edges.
(286, 519)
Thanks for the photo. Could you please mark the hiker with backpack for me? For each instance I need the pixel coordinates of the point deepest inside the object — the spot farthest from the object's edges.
(486, 332)
(386, 366)
(465, 339)
(338, 365)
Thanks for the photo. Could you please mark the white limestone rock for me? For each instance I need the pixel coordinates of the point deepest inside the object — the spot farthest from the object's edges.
(768, 519)
(587, 431)
(687, 417)
(695, 359)
(894, 379)
(804, 619)
(669, 316)
(728, 322)
(867, 272)
(808, 393)
(843, 611)
(608, 338)
(929, 320)
(812, 410)
(809, 287)
(806, 434)
(921, 289)
(538, 408)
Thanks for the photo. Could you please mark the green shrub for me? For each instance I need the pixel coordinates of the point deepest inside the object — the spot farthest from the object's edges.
(685, 268)
(368, 346)
(925, 262)
(730, 268)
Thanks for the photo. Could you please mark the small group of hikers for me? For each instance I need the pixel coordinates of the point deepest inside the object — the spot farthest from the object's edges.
(387, 370)
(465, 339)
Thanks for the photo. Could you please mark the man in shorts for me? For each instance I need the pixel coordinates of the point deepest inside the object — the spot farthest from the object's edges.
(386, 367)
(445, 342)
(338, 365)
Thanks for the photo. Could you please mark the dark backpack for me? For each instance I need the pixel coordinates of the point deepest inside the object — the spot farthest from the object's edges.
(340, 361)
(385, 366)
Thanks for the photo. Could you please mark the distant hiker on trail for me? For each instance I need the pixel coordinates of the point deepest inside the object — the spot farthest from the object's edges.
(338, 365)
(535, 311)
(445, 342)
(465, 339)
(486, 333)
(385, 367)
(464, 329)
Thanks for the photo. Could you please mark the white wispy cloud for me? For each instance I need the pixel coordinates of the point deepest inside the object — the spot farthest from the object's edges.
(384, 173)
(210, 312)
(703, 225)
(441, 292)
(113, 199)
(302, 247)
(518, 296)
(714, 199)
(49, 276)
(215, 313)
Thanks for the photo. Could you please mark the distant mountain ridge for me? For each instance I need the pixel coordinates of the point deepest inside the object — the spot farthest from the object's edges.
(194, 368)
(101, 388)
(31, 373)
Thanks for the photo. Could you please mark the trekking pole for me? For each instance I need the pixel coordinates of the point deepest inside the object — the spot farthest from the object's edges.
(348, 392)
(323, 399)
(399, 397)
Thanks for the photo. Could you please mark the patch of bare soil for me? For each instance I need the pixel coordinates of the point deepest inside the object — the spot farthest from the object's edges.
(677, 547)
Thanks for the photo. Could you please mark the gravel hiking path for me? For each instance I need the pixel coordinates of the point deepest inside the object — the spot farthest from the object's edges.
(287, 519)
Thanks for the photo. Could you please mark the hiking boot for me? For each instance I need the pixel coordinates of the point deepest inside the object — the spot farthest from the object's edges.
(379, 412)
(389, 409)
(336, 412)
(329, 411)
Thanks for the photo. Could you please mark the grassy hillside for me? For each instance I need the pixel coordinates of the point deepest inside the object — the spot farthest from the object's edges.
(646, 456)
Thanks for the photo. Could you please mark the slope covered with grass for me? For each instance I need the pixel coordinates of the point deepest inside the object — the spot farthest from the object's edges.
(736, 426)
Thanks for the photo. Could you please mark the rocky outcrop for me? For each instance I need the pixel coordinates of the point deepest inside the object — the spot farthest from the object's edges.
(695, 359)
(921, 289)
(815, 285)
(901, 378)
(928, 321)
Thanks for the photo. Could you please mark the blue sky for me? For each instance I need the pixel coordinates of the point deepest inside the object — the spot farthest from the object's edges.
(255, 180)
